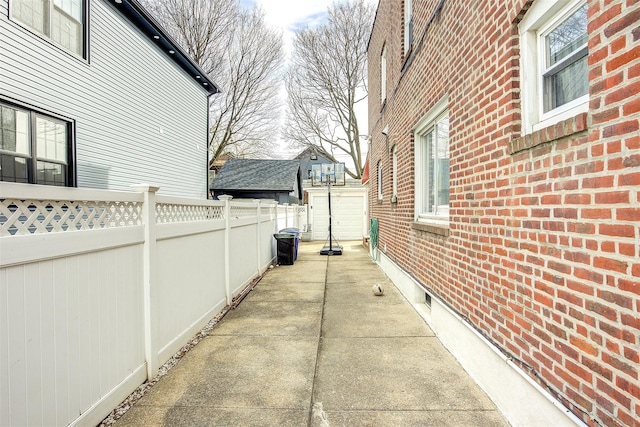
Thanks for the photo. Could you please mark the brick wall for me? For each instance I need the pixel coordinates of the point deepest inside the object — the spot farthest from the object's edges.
(541, 252)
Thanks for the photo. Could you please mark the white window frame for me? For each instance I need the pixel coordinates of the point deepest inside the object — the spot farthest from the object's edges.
(394, 174)
(383, 74)
(408, 25)
(541, 17)
(420, 130)
(379, 168)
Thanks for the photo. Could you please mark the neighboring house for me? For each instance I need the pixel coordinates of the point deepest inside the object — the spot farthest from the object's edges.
(95, 94)
(365, 172)
(278, 180)
(348, 203)
(311, 156)
(216, 165)
(505, 177)
(348, 211)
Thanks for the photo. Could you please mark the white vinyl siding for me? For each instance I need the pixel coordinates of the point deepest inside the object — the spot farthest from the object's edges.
(139, 118)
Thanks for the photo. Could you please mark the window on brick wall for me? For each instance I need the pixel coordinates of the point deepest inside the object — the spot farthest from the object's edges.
(34, 148)
(408, 25)
(383, 75)
(553, 62)
(379, 170)
(394, 174)
(432, 164)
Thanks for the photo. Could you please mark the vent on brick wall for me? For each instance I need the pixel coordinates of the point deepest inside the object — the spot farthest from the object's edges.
(427, 299)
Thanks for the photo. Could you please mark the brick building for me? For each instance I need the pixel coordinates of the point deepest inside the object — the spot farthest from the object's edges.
(505, 181)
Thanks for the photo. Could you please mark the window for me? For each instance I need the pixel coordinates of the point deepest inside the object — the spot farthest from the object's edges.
(62, 21)
(432, 164)
(553, 62)
(408, 25)
(380, 195)
(34, 148)
(394, 175)
(383, 75)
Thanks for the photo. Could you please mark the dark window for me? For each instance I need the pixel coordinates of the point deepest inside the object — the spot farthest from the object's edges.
(34, 148)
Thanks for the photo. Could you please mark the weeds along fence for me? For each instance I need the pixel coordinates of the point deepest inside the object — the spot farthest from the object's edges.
(100, 288)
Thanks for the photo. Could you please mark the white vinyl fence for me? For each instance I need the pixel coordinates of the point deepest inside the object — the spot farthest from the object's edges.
(100, 288)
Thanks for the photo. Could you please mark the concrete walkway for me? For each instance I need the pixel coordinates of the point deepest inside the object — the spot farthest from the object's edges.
(312, 346)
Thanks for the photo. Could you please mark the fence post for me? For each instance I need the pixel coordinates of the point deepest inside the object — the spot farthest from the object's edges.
(286, 215)
(259, 234)
(227, 244)
(149, 275)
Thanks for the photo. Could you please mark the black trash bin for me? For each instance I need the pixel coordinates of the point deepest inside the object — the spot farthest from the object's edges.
(286, 248)
(296, 232)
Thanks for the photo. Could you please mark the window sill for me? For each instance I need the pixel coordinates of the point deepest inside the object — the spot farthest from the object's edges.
(552, 133)
(406, 55)
(441, 229)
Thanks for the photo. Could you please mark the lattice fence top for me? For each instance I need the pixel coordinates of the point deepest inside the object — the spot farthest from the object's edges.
(168, 213)
(238, 211)
(19, 217)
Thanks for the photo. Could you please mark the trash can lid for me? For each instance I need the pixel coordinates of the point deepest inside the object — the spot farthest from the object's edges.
(290, 230)
(284, 236)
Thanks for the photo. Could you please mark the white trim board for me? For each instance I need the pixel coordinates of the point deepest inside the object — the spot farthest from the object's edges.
(520, 400)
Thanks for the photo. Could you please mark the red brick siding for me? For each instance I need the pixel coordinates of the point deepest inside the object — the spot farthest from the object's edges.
(542, 252)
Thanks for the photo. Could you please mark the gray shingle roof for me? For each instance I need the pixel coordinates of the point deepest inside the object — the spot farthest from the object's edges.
(257, 174)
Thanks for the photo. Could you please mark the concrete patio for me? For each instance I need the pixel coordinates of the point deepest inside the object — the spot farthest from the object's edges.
(312, 346)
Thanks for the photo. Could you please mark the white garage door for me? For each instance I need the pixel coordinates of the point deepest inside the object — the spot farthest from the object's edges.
(348, 215)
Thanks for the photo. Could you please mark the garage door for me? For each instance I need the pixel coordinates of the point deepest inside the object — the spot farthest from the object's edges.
(348, 215)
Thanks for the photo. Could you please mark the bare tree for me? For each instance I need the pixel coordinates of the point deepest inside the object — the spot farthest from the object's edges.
(244, 57)
(245, 116)
(327, 78)
(201, 27)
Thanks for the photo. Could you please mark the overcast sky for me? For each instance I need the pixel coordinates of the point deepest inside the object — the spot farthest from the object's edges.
(293, 15)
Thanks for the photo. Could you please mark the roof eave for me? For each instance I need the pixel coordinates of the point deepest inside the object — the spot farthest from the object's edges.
(139, 16)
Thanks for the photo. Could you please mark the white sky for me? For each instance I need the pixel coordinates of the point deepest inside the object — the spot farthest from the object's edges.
(292, 15)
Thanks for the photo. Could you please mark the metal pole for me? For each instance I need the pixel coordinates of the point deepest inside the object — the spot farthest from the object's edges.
(330, 231)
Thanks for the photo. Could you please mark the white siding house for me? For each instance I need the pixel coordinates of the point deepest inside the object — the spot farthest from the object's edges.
(112, 99)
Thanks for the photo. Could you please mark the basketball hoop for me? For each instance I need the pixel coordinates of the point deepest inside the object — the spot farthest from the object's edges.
(328, 174)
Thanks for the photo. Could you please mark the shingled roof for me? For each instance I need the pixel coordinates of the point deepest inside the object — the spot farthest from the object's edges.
(257, 175)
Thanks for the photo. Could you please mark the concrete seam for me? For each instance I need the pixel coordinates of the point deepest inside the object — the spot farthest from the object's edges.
(315, 372)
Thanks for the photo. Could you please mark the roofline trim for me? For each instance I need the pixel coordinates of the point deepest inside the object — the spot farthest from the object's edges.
(147, 24)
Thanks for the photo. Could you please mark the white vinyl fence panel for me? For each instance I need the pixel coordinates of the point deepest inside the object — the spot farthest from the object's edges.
(94, 297)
